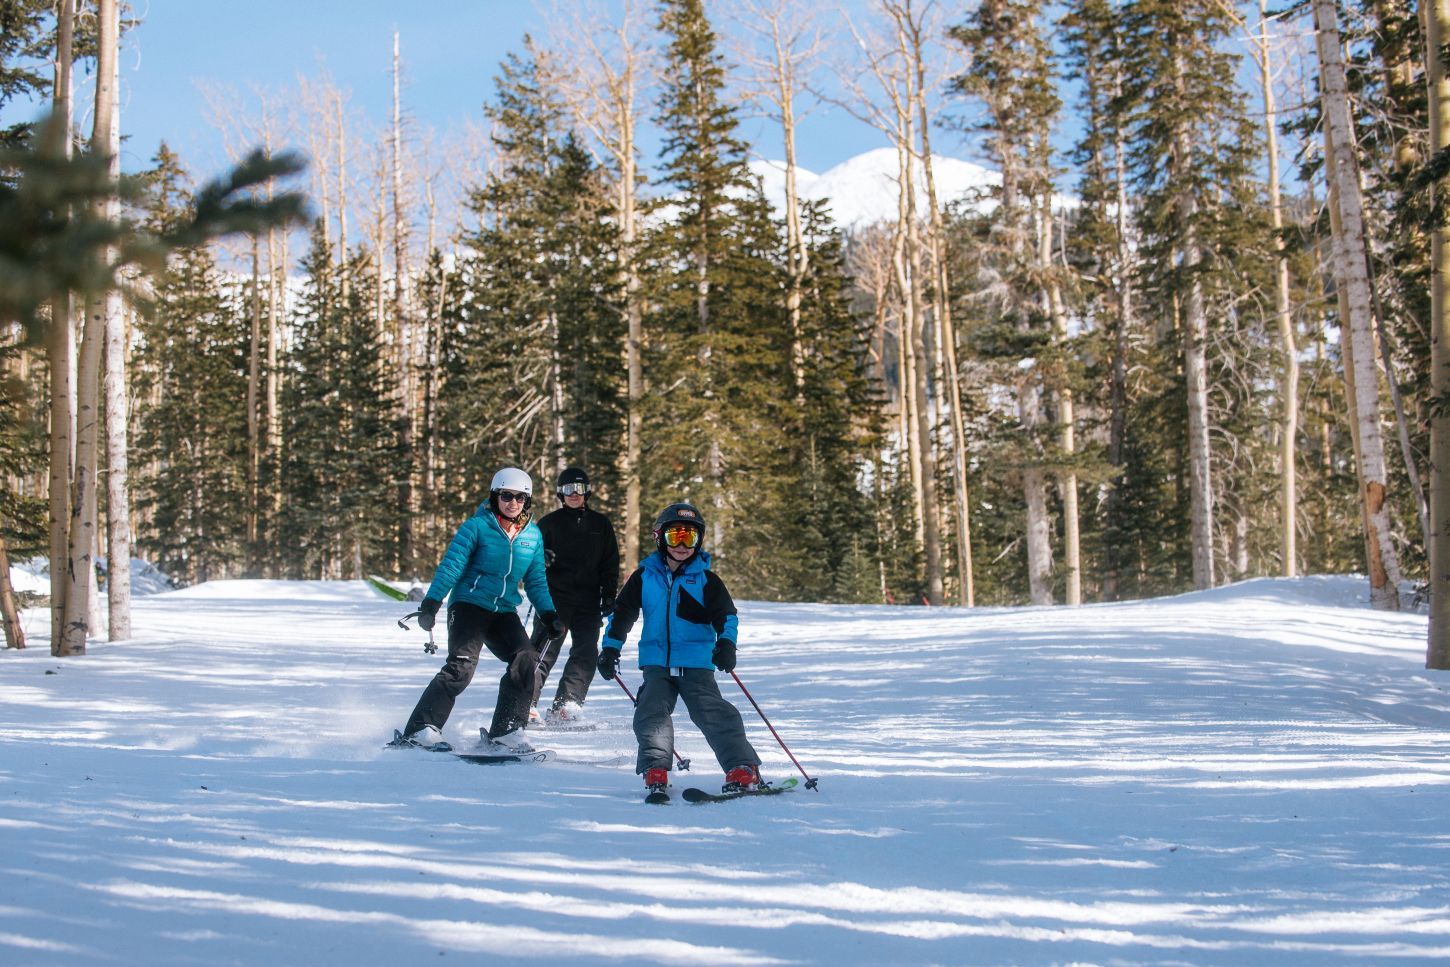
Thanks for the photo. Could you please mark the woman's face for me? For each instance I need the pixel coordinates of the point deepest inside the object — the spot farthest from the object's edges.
(511, 503)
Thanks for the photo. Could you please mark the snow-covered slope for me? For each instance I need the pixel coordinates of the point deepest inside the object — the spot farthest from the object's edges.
(1252, 776)
(862, 190)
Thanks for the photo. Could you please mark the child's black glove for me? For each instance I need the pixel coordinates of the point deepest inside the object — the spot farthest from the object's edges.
(426, 612)
(724, 655)
(609, 663)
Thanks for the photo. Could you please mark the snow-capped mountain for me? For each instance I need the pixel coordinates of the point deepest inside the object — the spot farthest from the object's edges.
(862, 190)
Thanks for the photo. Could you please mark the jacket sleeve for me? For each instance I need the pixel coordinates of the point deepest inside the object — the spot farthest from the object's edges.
(609, 562)
(536, 583)
(626, 612)
(720, 606)
(455, 559)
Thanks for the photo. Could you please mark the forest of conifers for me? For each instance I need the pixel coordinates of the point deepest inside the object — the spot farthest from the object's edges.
(1185, 340)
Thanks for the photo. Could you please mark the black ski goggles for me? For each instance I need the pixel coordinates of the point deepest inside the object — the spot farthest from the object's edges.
(570, 489)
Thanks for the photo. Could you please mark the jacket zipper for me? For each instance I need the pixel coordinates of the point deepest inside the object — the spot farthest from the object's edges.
(669, 611)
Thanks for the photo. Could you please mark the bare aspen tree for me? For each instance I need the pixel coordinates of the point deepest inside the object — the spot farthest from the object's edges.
(1437, 34)
(315, 103)
(996, 43)
(917, 33)
(603, 82)
(254, 428)
(118, 498)
(60, 349)
(264, 422)
(893, 112)
(1261, 51)
(1289, 391)
(1066, 417)
(1195, 361)
(341, 145)
(80, 565)
(407, 501)
(781, 44)
(1351, 274)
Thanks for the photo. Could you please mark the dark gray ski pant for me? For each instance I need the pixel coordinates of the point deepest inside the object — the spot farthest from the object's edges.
(717, 719)
(470, 630)
(583, 623)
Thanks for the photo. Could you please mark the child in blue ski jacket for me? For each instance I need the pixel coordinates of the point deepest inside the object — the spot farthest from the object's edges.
(480, 573)
(689, 632)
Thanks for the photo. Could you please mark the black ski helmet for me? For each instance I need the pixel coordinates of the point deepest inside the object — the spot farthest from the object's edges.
(571, 475)
(679, 513)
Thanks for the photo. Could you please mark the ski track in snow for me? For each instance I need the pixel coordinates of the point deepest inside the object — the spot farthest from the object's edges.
(1254, 775)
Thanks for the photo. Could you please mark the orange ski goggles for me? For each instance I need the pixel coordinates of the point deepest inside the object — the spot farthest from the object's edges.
(681, 535)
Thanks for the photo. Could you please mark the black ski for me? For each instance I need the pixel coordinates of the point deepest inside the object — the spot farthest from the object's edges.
(495, 758)
(700, 795)
(657, 798)
(492, 757)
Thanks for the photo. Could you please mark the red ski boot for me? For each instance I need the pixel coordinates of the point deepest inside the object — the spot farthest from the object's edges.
(657, 783)
(741, 779)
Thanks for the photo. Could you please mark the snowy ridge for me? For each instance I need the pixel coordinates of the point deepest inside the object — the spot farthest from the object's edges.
(862, 190)
(1253, 775)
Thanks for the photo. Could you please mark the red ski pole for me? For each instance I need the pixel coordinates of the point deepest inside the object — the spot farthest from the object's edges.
(810, 783)
(684, 763)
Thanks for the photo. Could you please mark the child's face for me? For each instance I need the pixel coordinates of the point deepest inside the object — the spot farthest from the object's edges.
(681, 553)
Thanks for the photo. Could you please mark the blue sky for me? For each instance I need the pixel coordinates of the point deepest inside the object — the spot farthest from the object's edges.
(450, 48)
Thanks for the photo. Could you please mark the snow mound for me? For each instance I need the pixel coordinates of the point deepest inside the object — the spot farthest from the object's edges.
(33, 576)
(1320, 590)
(246, 589)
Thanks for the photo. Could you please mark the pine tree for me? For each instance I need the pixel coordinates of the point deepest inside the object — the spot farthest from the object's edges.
(341, 454)
(190, 383)
(25, 48)
(1010, 75)
(718, 366)
(1191, 146)
(531, 359)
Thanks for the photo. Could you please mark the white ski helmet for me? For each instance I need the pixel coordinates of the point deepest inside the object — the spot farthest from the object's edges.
(512, 478)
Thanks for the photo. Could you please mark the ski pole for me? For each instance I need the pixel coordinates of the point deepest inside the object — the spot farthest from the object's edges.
(545, 643)
(430, 648)
(684, 763)
(810, 783)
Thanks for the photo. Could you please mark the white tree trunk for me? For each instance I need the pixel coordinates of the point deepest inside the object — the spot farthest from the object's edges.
(1034, 493)
(1195, 369)
(80, 601)
(118, 497)
(1289, 388)
(1437, 655)
(1352, 276)
(60, 352)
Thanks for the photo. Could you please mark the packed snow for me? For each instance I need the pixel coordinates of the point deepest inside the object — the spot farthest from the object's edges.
(1250, 776)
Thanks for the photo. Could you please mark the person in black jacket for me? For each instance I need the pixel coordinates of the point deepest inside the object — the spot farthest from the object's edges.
(583, 576)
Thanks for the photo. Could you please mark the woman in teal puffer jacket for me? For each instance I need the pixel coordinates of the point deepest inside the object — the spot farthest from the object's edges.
(492, 552)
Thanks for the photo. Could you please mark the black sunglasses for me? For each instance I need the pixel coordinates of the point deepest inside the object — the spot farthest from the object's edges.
(510, 496)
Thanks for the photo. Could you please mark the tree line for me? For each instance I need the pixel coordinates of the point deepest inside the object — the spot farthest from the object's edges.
(1152, 359)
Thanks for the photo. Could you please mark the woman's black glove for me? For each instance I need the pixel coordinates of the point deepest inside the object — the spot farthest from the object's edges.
(553, 623)
(724, 655)
(609, 663)
(426, 612)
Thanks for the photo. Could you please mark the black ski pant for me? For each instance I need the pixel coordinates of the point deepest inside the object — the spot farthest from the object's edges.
(470, 630)
(583, 630)
(717, 719)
